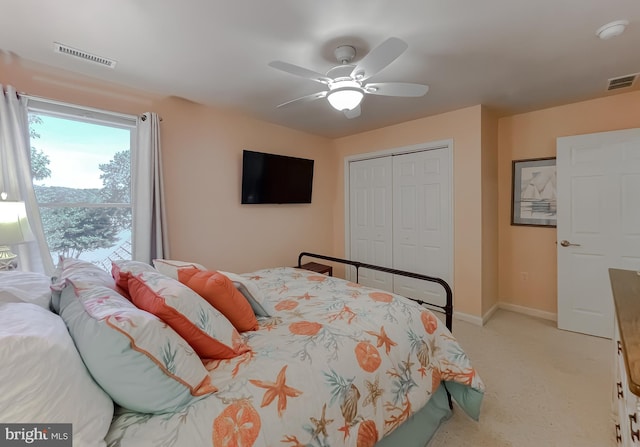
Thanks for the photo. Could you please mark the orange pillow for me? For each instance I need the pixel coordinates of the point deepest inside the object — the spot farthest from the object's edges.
(204, 327)
(220, 292)
(122, 269)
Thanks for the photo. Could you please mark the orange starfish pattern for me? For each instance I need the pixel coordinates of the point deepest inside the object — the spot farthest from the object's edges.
(383, 339)
(306, 296)
(277, 389)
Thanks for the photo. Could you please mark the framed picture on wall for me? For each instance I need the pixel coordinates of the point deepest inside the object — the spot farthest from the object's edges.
(533, 193)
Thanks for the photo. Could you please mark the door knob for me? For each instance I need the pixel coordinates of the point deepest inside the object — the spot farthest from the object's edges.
(566, 243)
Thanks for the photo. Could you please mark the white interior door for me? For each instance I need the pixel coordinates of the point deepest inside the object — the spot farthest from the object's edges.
(422, 222)
(598, 224)
(370, 214)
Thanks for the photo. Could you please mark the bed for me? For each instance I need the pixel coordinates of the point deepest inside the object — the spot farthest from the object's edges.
(330, 363)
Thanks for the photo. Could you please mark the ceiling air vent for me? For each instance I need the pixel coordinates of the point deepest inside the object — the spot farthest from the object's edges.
(622, 82)
(64, 49)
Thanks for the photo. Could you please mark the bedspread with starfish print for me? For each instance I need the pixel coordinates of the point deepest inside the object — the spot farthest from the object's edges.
(336, 364)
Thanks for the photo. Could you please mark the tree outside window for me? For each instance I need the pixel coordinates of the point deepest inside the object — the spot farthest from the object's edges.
(86, 207)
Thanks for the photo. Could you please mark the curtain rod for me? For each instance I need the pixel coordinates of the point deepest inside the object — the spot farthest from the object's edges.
(91, 109)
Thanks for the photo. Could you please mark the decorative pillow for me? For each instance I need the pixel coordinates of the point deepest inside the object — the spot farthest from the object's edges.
(25, 287)
(250, 292)
(219, 291)
(209, 332)
(142, 363)
(43, 379)
(122, 269)
(170, 267)
(78, 270)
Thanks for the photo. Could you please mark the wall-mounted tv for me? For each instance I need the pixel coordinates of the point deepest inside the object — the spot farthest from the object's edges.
(271, 178)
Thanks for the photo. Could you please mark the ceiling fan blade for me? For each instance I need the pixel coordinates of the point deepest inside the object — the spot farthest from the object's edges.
(300, 71)
(307, 98)
(379, 58)
(396, 89)
(352, 113)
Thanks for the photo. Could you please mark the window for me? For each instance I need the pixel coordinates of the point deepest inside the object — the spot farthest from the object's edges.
(81, 169)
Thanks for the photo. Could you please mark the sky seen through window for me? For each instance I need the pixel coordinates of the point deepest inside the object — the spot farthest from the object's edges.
(76, 149)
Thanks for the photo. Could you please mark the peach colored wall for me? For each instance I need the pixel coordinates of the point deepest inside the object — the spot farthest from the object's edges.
(47, 82)
(489, 210)
(202, 155)
(203, 165)
(533, 135)
(464, 127)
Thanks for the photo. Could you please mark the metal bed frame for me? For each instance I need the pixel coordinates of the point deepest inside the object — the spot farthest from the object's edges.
(447, 308)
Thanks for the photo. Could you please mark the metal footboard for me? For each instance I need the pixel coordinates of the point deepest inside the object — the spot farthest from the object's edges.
(447, 308)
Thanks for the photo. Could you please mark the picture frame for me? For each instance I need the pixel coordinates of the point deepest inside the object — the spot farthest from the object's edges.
(534, 192)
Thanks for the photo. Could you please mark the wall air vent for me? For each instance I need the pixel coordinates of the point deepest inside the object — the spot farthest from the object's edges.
(64, 49)
(622, 82)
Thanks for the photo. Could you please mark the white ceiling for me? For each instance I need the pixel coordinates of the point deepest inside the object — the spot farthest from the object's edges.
(511, 55)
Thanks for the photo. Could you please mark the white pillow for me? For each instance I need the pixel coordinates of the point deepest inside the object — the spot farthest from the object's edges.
(170, 267)
(25, 287)
(250, 292)
(43, 379)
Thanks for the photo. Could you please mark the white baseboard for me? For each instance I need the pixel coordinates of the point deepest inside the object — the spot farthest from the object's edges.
(528, 311)
(468, 318)
(489, 313)
(473, 319)
(481, 321)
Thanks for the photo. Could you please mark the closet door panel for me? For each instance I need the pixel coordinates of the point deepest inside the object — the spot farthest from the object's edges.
(371, 218)
(422, 222)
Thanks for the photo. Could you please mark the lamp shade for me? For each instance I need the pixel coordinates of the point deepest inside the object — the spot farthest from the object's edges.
(14, 225)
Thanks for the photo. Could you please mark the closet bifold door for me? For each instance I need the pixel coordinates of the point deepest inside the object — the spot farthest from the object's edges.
(400, 216)
(370, 215)
(422, 226)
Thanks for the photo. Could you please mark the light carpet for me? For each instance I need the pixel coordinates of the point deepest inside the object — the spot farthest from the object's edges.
(545, 387)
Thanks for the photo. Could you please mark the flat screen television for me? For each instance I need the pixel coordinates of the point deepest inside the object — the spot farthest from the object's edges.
(271, 178)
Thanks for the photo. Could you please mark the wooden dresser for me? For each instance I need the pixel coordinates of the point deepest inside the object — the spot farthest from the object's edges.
(625, 285)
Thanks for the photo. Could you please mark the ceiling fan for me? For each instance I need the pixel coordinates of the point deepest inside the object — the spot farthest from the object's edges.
(346, 83)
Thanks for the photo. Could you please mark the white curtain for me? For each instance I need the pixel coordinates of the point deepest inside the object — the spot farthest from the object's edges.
(15, 177)
(149, 219)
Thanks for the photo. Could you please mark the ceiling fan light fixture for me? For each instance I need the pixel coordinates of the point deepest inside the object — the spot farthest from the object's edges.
(345, 94)
(345, 98)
